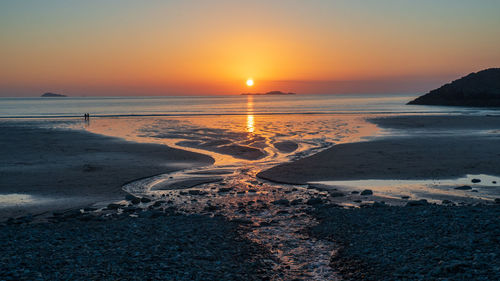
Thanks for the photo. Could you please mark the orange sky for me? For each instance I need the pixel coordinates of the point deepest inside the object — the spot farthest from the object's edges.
(212, 47)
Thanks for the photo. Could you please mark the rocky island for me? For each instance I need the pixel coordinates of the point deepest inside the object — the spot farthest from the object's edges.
(277, 93)
(481, 89)
(52, 95)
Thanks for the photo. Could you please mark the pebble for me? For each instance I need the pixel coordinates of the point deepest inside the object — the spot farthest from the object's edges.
(224, 189)
(337, 194)
(242, 221)
(114, 206)
(379, 204)
(133, 199)
(264, 223)
(421, 202)
(212, 207)
(314, 201)
(367, 192)
(159, 203)
(283, 202)
(463, 187)
(130, 209)
(197, 192)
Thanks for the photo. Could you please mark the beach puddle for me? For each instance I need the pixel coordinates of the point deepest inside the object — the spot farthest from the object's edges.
(15, 199)
(468, 189)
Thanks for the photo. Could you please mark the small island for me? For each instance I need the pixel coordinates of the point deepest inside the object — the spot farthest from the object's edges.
(272, 93)
(53, 95)
(480, 89)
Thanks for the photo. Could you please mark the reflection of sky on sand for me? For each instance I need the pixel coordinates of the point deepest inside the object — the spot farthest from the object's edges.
(214, 135)
(14, 199)
(434, 190)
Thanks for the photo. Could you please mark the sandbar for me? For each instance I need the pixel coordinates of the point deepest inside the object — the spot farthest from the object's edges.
(70, 168)
(413, 156)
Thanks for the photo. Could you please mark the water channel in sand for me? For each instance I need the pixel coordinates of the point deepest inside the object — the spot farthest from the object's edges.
(275, 215)
(230, 187)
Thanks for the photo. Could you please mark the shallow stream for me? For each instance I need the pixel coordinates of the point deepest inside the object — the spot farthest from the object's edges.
(274, 215)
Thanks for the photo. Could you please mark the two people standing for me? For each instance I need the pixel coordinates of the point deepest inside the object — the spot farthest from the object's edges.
(86, 117)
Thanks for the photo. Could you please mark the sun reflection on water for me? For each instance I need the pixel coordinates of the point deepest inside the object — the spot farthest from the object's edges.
(231, 138)
(250, 119)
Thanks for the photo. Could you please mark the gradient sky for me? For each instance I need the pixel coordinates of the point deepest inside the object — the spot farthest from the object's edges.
(85, 48)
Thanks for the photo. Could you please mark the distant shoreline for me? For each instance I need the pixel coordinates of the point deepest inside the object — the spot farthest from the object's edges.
(272, 93)
(53, 95)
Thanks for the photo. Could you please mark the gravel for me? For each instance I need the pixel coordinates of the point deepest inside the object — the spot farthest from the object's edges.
(428, 242)
(174, 247)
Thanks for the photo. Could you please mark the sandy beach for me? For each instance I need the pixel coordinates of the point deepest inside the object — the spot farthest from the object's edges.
(293, 230)
(409, 155)
(54, 169)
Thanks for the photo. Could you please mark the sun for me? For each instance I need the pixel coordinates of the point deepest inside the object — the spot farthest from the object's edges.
(250, 82)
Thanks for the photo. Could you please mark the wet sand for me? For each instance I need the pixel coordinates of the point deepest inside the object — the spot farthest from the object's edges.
(302, 227)
(433, 122)
(235, 141)
(58, 169)
(418, 156)
(225, 147)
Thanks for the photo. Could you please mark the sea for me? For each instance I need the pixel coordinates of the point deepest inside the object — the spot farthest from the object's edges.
(242, 133)
(71, 107)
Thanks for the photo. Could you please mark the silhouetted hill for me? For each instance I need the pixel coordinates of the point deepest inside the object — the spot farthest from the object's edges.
(52, 95)
(480, 89)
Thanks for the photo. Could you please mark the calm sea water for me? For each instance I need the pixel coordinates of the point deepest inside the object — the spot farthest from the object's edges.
(215, 105)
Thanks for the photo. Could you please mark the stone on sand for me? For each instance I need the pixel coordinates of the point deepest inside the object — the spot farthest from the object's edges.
(366, 192)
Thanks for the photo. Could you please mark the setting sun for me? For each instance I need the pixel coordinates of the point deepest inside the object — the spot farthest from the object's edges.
(250, 82)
